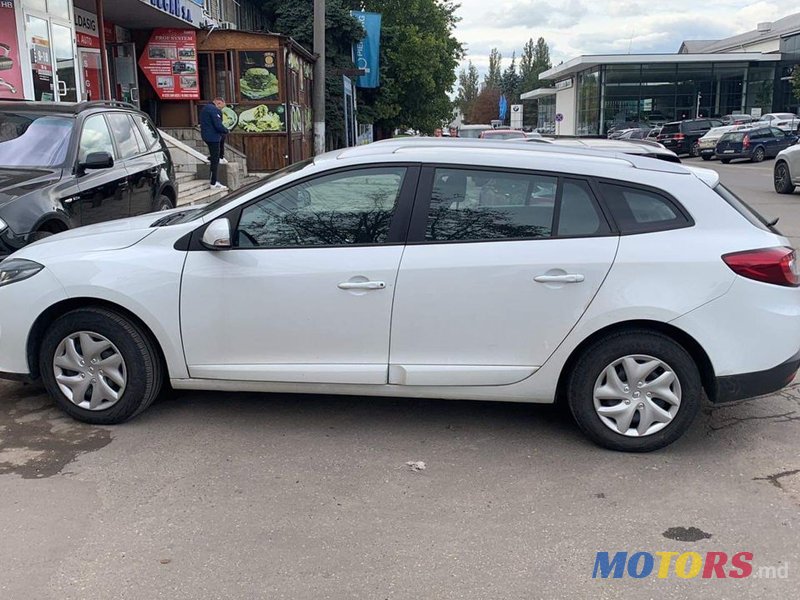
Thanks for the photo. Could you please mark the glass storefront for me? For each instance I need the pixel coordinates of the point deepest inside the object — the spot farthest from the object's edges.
(654, 93)
(546, 114)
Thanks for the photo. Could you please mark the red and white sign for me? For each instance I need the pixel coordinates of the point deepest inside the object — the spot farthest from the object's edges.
(169, 62)
(87, 30)
(10, 71)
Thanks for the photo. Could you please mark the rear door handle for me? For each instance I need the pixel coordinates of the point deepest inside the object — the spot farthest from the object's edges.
(362, 285)
(568, 278)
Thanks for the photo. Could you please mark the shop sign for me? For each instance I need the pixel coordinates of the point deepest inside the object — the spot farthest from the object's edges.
(87, 30)
(564, 84)
(10, 71)
(185, 10)
(169, 62)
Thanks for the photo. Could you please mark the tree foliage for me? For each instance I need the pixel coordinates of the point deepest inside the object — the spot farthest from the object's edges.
(485, 107)
(535, 60)
(796, 81)
(469, 87)
(494, 78)
(419, 55)
(510, 82)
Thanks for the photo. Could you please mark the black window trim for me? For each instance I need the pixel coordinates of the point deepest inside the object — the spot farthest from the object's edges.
(422, 201)
(651, 228)
(398, 230)
(110, 134)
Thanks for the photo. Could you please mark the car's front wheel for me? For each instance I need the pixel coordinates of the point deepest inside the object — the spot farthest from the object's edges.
(783, 179)
(99, 366)
(634, 391)
(163, 203)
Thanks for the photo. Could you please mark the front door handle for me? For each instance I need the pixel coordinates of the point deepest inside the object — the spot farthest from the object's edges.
(568, 278)
(362, 285)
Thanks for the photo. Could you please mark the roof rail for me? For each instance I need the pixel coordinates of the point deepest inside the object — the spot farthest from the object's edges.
(97, 103)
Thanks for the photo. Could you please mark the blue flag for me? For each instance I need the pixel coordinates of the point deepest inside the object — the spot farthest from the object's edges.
(503, 108)
(366, 53)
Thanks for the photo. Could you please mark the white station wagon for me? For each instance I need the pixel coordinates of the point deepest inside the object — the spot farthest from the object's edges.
(621, 285)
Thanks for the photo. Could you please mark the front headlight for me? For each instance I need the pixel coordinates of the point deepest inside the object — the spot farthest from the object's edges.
(17, 269)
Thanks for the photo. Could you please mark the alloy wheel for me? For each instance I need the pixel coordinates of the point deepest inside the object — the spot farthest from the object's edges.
(89, 370)
(781, 177)
(637, 395)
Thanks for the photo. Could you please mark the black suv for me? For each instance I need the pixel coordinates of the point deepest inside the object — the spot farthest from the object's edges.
(68, 164)
(682, 136)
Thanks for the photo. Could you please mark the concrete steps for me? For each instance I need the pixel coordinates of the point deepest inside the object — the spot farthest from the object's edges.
(201, 195)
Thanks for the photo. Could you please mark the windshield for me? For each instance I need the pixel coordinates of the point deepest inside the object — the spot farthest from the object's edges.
(734, 136)
(29, 140)
(192, 215)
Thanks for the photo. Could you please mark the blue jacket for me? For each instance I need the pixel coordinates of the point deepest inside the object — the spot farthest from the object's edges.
(211, 127)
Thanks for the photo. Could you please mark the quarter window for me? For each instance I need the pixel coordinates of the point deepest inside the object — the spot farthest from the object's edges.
(95, 137)
(122, 128)
(472, 205)
(579, 214)
(343, 209)
(148, 131)
(640, 211)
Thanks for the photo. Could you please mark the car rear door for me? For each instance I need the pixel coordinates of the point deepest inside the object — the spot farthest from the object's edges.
(305, 294)
(499, 267)
(141, 164)
(104, 193)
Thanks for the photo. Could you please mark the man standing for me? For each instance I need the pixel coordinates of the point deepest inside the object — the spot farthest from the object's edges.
(213, 131)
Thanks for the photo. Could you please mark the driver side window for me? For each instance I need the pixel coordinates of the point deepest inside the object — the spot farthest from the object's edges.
(349, 208)
(95, 137)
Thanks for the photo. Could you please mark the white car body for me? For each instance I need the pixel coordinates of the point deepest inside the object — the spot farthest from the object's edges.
(452, 320)
(785, 121)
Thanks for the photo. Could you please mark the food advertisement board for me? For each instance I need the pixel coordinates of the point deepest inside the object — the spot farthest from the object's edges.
(10, 70)
(255, 119)
(169, 62)
(258, 76)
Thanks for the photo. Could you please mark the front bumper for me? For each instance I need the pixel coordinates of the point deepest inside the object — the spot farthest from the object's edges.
(760, 383)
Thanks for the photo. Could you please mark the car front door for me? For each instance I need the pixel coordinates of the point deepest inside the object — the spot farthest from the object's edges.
(783, 139)
(104, 194)
(499, 267)
(141, 165)
(305, 293)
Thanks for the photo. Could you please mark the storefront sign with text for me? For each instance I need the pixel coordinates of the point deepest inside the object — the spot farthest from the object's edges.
(170, 63)
(10, 71)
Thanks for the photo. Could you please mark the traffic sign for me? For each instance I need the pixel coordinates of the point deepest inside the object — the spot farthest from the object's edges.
(559, 117)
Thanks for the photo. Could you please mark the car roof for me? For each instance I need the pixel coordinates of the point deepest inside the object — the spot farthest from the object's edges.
(475, 126)
(62, 108)
(477, 151)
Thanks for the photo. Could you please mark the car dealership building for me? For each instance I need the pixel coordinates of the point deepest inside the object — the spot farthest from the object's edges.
(747, 73)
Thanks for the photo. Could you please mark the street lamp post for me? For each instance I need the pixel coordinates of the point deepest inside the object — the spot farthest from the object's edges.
(319, 77)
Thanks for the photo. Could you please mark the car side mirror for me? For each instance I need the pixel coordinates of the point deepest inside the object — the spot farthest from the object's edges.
(217, 235)
(97, 160)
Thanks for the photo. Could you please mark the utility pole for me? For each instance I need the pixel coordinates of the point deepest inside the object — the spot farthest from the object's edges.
(319, 77)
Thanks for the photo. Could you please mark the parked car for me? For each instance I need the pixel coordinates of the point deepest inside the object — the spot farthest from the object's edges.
(708, 143)
(786, 121)
(740, 119)
(754, 144)
(624, 285)
(787, 170)
(654, 133)
(70, 164)
(634, 134)
(682, 137)
(503, 134)
(472, 131)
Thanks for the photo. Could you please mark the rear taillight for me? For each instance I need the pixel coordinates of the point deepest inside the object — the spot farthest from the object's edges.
(678, 136)
(746, 142)
(769, 265)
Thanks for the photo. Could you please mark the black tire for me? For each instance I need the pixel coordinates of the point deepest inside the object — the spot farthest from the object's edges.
(758, 155)
(163, 203)
(705, 157)
(694, 151)
(141, 358)
(39, 235)
(725, 161)
(782, 179)
(602, 353)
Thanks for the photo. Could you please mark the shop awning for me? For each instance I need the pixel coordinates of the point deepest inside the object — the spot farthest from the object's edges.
(144, 14)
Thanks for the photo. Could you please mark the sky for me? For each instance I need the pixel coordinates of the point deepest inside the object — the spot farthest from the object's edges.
(575, 27)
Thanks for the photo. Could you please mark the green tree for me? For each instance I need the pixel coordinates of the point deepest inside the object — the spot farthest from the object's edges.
(295, 18)
(510, 81)
(535, 60)
(468, 88)
(796, 81)
(494, 78)
(418, 60)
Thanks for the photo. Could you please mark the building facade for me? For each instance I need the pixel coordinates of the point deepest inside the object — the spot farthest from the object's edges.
(748, 73)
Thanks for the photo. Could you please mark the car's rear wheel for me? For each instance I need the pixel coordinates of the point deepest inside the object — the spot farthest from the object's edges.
(706, 157)
(758, 154)
(163, 203)
(99, 366)
(694, 151)
(725, 161)
(782, 179)
(634, 391)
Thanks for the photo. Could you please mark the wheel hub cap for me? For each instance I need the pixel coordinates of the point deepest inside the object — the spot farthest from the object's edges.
(90, 370)
(637, 395)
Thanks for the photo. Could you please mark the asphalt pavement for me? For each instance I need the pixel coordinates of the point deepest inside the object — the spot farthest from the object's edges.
(252, 496)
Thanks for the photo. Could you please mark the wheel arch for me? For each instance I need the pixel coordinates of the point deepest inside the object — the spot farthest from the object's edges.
(44, 320)
(695, 350)
(168, 191)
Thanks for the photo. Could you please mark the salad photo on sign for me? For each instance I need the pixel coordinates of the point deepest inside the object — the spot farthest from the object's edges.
(260, 119)
(258, 75)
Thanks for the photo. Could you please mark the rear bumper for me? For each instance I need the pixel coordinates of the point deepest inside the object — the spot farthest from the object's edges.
(733, 155)
(750, 385)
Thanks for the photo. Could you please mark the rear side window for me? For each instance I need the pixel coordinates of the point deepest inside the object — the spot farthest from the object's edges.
(697, 125)
(744, 209)
(670, 128)
(122, 130)
(147, 130)
(579, 214)
(637, 210)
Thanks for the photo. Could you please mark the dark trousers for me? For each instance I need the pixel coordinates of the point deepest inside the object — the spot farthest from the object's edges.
(222, 147)
(213, 157)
